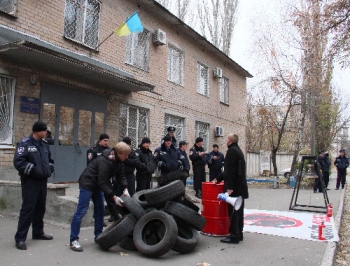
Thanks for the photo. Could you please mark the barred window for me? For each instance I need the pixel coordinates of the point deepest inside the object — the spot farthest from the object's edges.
(133, 122)
(202, 130)
(9, 7)
(82, 21)
(224, 90)
(175, 65)
(137, 49)
(7, 92)
(177, 122)
(203, 80)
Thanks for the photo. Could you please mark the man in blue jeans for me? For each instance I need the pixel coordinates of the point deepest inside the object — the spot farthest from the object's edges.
(96, 177)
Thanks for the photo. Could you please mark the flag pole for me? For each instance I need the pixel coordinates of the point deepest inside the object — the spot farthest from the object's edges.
(104, 40)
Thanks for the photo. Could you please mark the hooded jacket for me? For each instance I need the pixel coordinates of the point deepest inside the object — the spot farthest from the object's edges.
(97, 175)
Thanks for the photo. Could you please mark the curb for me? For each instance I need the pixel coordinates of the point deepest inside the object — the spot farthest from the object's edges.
(331, 249)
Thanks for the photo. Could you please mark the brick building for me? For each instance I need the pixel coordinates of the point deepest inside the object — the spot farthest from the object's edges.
(54, 67)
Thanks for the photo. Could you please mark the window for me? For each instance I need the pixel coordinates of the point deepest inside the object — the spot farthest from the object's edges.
(175, 65)
(202, 130)
(178, 123)
(9, 7)
(224, 90)
(7, 92)
(133, 122)
(82, 21)
(137, 49)
(203, 80)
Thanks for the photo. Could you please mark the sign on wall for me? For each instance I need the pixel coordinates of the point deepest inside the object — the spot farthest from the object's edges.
(30, 105)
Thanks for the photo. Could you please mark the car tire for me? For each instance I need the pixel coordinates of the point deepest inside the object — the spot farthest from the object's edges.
(133, 206)
(116, 232)
(145, 234)
(128, 243)
(187, 239)
(185, 214)
(161, 195)
(188, 203)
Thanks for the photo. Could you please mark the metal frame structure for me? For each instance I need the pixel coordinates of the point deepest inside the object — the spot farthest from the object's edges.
(301, 207)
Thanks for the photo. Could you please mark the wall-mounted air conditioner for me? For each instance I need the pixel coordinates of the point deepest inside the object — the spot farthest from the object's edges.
(218, 72)
(219, 131)
(159, 37)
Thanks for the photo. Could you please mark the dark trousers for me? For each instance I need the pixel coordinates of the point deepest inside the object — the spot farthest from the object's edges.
(214, 174)
(34, 193)
(317, 184)
(131, 186)
(143, 182)
(198, 177)
(326, 178)
(341, 177)
(236, 221)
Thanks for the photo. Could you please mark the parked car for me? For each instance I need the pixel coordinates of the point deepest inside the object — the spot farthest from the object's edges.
(285, 172)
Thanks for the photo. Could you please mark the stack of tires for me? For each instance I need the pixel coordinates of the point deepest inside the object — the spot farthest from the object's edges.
(155, 221)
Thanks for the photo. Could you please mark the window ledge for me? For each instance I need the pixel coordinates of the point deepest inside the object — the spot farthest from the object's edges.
(177, 84)
(224, 103)
(7, 147)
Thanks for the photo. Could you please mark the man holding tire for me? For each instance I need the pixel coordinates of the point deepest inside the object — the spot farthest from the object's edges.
(235, 185)
(96, 177)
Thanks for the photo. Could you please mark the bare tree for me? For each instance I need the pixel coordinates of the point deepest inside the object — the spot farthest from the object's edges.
(179, 7)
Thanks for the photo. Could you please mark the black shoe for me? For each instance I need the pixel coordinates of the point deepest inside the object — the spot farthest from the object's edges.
(230, 240)
(328, 188)
(198, 196)
(336, 188)
(104, 224)
(43, 237)
(111, 219)
(21, 245)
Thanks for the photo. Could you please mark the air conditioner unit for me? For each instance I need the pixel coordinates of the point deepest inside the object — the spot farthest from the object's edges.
(218, 72)
(219, 132)
(159, 37)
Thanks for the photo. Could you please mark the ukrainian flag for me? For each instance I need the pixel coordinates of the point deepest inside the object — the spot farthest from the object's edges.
(132, 24)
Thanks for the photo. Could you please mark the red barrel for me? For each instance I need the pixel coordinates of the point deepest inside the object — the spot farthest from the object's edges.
(214, 210)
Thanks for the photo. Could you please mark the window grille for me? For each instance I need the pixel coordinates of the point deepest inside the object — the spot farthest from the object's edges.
(178, 123)
(175, 65)
(203, 80)
(137, 49)
(82, 21)
(7, 91)
(133, 122)
(224, 89)
(202, 130)
(9, 7)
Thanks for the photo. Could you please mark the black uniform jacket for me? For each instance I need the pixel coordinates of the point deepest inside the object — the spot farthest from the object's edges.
(33, 158)
(97, 175)
(195, 158)
(168, 160)
(234, 174)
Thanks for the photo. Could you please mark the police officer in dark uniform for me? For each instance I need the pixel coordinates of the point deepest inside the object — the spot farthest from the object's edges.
(171, 133)
(215, 162)
(198, 158)
(184, 158)
(341, 162)
(98, 148)
(34, 164)
(166, 158)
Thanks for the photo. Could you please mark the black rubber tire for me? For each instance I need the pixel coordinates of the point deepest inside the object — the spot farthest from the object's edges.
(127, 243)
(116, 232)
(151, 209)
(133, 206)
(175, 175)
(145, 234)
(184, 201)
(161, 195)
(140, 198)
(187, 239)
(185, 214)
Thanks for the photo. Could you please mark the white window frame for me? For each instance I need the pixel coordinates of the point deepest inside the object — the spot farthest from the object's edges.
(175, 65)
(9, 7)
(224, 90)
(202, 79)
(137, 54)
(175, 121)
(81, 25)
(7, 112)
(200, 126)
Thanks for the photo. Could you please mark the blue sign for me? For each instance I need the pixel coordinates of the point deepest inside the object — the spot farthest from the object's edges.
(30, 105)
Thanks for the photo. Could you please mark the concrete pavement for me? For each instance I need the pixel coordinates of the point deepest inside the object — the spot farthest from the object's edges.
(256, 249)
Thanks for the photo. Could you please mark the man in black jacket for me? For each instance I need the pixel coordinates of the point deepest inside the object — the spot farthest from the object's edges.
(184, 159)
(198, 158)
(94, 178)
(98, 148)
(235, 185)
(215, 161)
(146, 167)
(341, 162)
(34, 164)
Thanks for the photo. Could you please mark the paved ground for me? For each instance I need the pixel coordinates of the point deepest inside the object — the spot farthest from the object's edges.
(256, 249)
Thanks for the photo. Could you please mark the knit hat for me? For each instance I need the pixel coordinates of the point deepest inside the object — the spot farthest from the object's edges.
(103, 136)
(39, 126)
(127, 140)
(215, 145)
(167, 138)
(145, 140)
(199, 139)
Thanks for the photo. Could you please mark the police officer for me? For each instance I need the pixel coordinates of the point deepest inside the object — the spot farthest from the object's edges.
(34, 164)
(171, 133)
(215, 162)
(341, 162)
(166, 158)
(98, 148)
(184, 158)
(197, 156)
